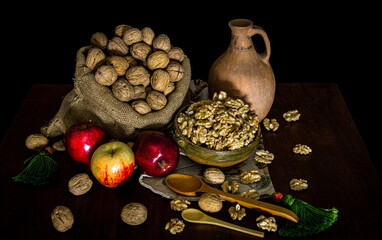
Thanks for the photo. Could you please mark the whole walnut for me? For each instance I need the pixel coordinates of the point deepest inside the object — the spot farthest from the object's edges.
(159, 80)
(36, 141)
(117, 47)
(106, 75)
(121, 29)
(169, 89)
(148, 35)
(141, 107)
(132, 61)
(162, 42)
(119, 63)
(132, 35)
(156, 100)
(139, 92)
(94, 58)
(138, 75)
(99, 40)
(157, 59)
(122, 90)
(176, 53)
(175, 70)
(140, 51)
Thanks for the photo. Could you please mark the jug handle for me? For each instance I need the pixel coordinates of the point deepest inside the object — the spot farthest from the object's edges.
(258, 30)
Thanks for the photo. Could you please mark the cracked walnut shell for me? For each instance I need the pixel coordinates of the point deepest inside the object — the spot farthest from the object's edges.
(62, 218)
(134, 213)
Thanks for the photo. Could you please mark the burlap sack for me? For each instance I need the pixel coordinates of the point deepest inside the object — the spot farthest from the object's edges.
(90, 101)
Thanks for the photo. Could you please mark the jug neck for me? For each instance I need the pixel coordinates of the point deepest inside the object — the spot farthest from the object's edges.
(240, 38)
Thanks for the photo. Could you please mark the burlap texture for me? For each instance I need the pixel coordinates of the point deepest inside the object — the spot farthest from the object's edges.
(90, 101)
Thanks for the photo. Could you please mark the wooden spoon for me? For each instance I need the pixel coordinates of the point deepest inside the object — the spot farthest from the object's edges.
(190, 185)
(195, 216)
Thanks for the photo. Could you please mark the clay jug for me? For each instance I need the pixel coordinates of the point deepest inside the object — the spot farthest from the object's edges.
(242, 72)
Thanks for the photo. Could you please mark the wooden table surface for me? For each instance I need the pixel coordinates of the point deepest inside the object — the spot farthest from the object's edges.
(339, 172)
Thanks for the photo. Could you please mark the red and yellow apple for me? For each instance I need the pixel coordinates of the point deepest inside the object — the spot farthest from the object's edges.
(82, 139)
(112, 163)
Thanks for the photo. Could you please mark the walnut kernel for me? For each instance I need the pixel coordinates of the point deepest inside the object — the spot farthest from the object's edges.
(80, 184)
(36, 141)
(210, 202)
(232, 187)
(134, 213)
(175, 226)
(298, 184)
(250, 194)
(268, 224)
(271, 124)
(179, 205)
(292, 115)
(302, 149)
(62, 218)
(264, 156)
(250, 177)
(106, 75)
(237, 212)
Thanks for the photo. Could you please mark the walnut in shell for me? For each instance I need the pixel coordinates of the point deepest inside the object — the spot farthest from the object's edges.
(148, 35)
(213, 176)
(62, 218)
(132, 36)
(119, 63)
(159, 80)
(138, 75)
(94, 58)
(106, 75)
(156, 100)
(36, 141)
(99, 40)
(134, 213)
(210, 202)
(157, 59)
(140, 51)
(117, 47)
(175, 70)
(121, 29)
(176, 53)
(169, 89)
(80, 184)
(122, 90)
(132, 61)
(139, 92)
(141, 107)
(162, 42)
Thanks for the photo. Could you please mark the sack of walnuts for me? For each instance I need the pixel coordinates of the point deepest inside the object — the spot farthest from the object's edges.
(131, 82)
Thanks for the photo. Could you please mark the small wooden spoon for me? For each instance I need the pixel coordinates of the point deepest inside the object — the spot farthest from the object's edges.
(195, 216)
(190, 185)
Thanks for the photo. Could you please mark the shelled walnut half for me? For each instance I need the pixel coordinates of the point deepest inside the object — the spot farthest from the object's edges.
(250, 177)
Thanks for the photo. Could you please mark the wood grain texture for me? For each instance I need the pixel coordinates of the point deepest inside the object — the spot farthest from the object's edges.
(339, 172)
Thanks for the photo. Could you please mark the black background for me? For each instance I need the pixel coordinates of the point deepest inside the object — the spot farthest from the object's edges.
(309, 43)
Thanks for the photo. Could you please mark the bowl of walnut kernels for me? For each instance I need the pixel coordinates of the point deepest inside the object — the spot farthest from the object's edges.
(220, 132)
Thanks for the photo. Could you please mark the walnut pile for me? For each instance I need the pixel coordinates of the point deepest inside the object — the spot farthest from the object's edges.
(222, 123)
(140, 68)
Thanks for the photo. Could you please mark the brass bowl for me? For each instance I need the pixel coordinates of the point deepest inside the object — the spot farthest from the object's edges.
(212, 157)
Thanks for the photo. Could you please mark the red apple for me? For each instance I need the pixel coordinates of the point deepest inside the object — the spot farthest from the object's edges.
(82, 139)
(156, 154)
(112, 163)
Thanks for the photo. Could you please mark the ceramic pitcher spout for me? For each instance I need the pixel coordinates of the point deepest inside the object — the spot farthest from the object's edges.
(242, 72)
